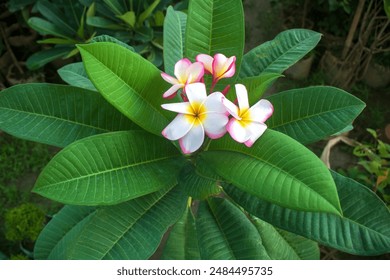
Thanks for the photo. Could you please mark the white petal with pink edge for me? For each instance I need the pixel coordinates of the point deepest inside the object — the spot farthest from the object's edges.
(231, 68)
(193, 140)
(242, 97)
(177, 128)
(182, 107)
(237, 131)
(195, 72)
(207, 62)
(181, 69)
(220, 65)
(256, 130)
(215, 125)
(170, 93)
(196, 92)
(169, 79)
(261, 111)
(213, 103)
(231, 108)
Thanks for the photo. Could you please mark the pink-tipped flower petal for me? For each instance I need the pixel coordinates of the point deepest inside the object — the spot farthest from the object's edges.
(171, 92)
(261, 111)
(193, 140)
(181, 69)
(215, 125)
(256, 130)
(182, 107)
(231, 108)
(207, 62)
(237, 130)
(177, 128)
(195, 72)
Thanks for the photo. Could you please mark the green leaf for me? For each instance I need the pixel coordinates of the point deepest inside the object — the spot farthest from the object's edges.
(313, 113)
(45, 27)
(182, 243)
(364, 228)
(65, 225)
(386, 5)
(148, 11)
(277, 169)
(174, 39)
(130, 230)
(110, 168)
(56, 17)
(104, 23)
(115, 6)
(279, 54)
(74, 74)
(107, 38)
(41, 58)
(225, 233)
(129, 82)
(196, 185)
(215, 26)
(57, 114)
(284, 245)
(57, 41)
(128, 18)
(256, 86)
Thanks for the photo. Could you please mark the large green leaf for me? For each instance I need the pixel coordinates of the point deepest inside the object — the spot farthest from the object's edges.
(129, 82)
(174, 38)
(182, 243)
(215, 26)
(74, 74)
(225, 233)
(110, 168)
(364, 228)
(256, 86)
(312, 113)
(284, 245)
(57, 114)
(279, 54)
(66, 224)
(130, 230)
(277, 169)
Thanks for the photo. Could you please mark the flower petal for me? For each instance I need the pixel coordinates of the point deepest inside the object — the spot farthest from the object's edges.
(231, 108)
(231, 68)
(177, 128)
(256, 130)
(238, 131)
(196, 92)
(242, 97)
(219, 65)
(215, 125)
(169, 79)
(261, 111)
(181, 69)
(213, 103)
(193, 140)
(182, 107)
(171, 92)
(195, 72)
(207, 62)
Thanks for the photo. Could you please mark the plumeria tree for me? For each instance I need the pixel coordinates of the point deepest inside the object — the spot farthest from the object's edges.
(194, 155)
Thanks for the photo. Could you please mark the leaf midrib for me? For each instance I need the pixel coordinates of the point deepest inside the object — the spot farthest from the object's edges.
(281, 171)
(55, 118)
(105, 171)
(314, 115)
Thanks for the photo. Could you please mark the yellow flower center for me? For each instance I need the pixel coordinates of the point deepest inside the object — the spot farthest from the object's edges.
(197, 113)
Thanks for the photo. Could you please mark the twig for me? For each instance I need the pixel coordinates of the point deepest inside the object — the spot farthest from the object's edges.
(9, 49)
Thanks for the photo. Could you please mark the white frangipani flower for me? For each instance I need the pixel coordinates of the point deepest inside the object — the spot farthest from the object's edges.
(201, 115)
(247, 124)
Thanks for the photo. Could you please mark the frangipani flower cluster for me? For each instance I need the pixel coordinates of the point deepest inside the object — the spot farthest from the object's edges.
(212, 115)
